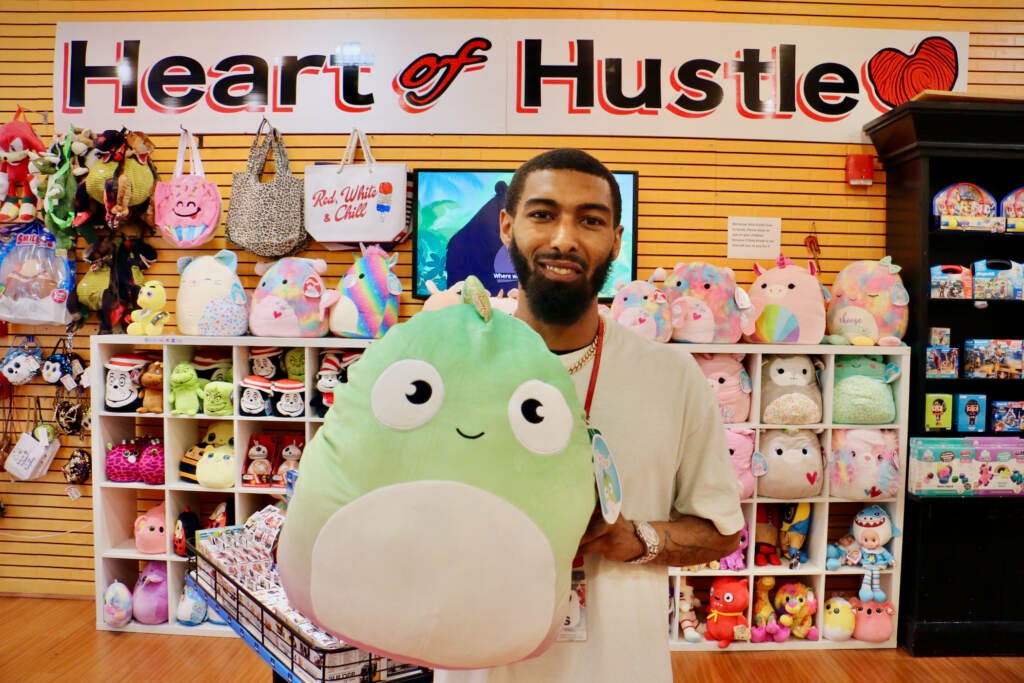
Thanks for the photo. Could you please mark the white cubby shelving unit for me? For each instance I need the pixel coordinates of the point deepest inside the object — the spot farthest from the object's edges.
(831, 516)
(116, 505)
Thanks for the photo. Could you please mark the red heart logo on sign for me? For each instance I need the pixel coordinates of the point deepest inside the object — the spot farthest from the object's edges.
(897, 77)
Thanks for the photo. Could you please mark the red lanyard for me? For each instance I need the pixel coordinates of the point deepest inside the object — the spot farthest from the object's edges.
(595, 368)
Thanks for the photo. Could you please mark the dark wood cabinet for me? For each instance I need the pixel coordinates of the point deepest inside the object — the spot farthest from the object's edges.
(963, 575)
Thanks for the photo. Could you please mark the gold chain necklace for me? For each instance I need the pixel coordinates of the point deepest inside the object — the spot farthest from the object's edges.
(585, 358)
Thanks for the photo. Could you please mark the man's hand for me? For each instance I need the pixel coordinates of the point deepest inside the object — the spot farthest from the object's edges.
(616, 541)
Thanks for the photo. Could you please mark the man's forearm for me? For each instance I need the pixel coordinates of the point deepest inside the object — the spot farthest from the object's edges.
(692, 540)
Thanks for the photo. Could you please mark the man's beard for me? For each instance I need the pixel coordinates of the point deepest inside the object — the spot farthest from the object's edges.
(558, 303)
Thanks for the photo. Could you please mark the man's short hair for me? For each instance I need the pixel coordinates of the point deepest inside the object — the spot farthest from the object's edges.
(563, 159)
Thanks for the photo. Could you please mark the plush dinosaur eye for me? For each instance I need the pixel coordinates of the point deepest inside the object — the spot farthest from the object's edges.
(407, 394)
(540, 417)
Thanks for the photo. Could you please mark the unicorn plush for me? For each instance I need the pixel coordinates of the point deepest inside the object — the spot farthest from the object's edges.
(790, 304)
(368, 294)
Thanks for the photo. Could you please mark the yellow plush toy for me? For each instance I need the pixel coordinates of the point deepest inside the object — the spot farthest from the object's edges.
(150, 317)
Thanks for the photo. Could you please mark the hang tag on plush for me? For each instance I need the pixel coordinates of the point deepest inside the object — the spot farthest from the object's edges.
(69, 382)
(609, 488)
(758, 465)
(74, 493)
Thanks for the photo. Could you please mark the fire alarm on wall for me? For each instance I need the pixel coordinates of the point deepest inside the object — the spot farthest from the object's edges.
(860, 169)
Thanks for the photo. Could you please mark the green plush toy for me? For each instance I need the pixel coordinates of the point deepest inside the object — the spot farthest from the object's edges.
(217, 398)
(438, 509)
(295, 363)
(186, 390)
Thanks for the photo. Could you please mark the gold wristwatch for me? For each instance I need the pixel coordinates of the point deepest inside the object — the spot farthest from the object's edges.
(650, 540)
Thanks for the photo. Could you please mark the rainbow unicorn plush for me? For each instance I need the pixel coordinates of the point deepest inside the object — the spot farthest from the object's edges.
(790, 304)
(369, 291)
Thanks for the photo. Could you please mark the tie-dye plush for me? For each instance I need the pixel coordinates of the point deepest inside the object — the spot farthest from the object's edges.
(291, 299)
(715, 308)
(869, 304)
(368, 296)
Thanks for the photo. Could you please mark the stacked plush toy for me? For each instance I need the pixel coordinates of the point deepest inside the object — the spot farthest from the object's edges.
(458, 422)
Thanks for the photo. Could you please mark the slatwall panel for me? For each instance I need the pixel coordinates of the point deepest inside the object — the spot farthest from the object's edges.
(687, 187)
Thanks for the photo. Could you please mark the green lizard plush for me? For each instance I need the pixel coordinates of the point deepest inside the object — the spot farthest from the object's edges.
(438, 509)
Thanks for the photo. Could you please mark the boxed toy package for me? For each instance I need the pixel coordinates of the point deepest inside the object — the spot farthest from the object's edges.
(1012, 210)
(966, 206)
(940, 336)
(951, 282)
(938, 415)
(938, 467)
(998, 279)
(941, 362)
(1007, 415)
(1000, 466)
(970, 412)
(992, 358)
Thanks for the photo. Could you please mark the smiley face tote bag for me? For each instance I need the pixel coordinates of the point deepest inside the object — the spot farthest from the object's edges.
(356, 203)
(187, 207)
(265, 219)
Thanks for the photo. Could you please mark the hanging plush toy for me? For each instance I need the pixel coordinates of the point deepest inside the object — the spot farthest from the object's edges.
(17, 139)
(456, 423)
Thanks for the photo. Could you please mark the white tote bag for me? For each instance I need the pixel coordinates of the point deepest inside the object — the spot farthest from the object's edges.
(356, 203)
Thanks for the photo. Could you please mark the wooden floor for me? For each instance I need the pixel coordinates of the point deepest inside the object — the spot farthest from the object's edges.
(54, 640)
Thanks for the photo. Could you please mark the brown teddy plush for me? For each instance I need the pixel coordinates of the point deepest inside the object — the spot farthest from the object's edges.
(152, 381)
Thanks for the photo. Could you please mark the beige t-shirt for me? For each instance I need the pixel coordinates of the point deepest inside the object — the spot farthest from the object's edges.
(661, 421)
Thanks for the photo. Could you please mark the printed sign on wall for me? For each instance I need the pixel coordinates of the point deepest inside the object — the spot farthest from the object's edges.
(514, 77)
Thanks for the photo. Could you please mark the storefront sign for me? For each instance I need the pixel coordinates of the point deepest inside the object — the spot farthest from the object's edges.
(514, 77)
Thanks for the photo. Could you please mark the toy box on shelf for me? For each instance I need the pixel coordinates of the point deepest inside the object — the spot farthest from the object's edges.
(207, 439)
(798, 524)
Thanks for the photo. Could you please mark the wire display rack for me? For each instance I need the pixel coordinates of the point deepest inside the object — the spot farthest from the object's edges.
(291, 654)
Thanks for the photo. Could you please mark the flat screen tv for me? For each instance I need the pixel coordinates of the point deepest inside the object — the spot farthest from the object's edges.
(457, 230)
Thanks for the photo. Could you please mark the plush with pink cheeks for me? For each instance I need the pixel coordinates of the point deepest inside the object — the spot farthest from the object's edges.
(872, 620)
(291, 299)
(741, 448)
(150, 531)
(730, 382)
(790, 304)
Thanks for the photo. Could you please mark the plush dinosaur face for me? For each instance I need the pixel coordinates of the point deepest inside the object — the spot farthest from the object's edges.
(450, 483)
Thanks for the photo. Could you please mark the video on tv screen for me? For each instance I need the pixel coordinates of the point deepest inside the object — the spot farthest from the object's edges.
(457, 230)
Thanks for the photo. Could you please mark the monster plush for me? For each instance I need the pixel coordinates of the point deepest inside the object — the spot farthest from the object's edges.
(872, 620)
(457, 423)
(714, 308)
(869, 305)
(788, 464)
(210, 299)
(730, 382)
(837, 619)
(872, 528)
(864, 464)
(741, 450)
(790, 304)
(291, 299)
(368, 292)
(790, 394)
(186, 390)
(642, 307)
(796, 606)
(217, 399)
(727, 611)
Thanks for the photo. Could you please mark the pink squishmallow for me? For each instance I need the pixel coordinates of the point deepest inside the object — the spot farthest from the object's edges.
(872, 620)
(291, 299)
(730, 382)
(151, 531)
(788, 464)
(149, 599)
(642, 307)
(714, 308)
(864, 464)
(741, 449)
(790, 304)
(869, 305)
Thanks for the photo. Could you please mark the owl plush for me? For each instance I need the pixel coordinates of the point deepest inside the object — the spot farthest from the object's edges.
(788, 464)
(790, 394)
(457, 423)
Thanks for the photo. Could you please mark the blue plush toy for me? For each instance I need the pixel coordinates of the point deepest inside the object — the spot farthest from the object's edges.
(872, 528)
